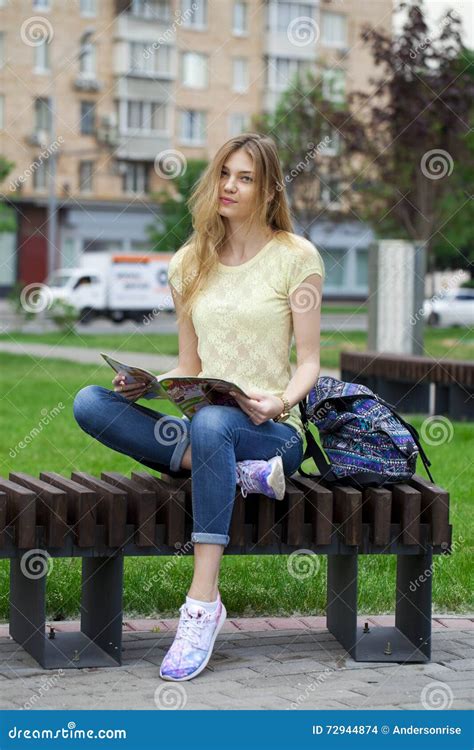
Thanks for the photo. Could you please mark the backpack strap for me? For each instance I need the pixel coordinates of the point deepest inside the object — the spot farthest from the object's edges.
(314, 451)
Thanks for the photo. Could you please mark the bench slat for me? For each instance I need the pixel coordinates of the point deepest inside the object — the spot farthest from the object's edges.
(21, 512)
(237, 524)
(294, 521)
(376, 510)
(3, 517)
(406, 509)
(141, 506)
(434, 510)
(51, 507)
(320, 502)
(111, 506)
(171, 502)
(348, 512)
(81, 507)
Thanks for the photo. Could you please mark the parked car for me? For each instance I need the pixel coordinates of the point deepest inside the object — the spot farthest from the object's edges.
(453, 308)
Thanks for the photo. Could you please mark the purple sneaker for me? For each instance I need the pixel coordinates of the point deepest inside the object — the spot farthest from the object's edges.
(264, 477)
(193, 643)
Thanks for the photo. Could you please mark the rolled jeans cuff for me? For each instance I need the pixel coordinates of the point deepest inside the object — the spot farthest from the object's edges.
(205, 538)
(180, 450)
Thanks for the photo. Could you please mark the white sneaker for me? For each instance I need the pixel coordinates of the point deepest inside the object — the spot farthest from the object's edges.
(192, 647)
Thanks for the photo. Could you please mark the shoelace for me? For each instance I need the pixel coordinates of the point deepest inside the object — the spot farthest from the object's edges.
(247, 483)
(190, 627)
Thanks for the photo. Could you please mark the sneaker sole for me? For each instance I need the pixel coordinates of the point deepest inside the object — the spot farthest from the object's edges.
(222, 620)
(276, 479)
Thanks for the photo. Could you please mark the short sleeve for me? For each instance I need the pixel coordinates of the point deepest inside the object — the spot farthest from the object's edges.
(303, 262)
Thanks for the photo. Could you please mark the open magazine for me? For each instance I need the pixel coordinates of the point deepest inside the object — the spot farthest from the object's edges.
(188, 393)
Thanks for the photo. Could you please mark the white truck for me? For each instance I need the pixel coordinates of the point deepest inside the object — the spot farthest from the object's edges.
(115, 285)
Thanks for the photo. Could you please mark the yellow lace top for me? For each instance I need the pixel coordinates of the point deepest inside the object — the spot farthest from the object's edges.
(243, 319)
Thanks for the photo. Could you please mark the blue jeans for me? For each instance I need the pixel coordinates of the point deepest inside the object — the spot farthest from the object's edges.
(219, 437)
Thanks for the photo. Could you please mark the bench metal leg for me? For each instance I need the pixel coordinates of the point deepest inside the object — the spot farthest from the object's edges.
(101, 603)
(86, 648)
(410, 639)
(342, 599)
(413, 604)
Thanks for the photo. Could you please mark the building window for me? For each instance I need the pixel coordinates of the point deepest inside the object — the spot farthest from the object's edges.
(85, 176)
(240, 18)
(240, 74)
(41, 4)
(334, 85)
(135, 177)
(87, 118)
(334, 29)
(280, 71)
(238, 123)
(42, 55)
(40, 174)
(194, 13)
(193, 127)
(145, 60)
(281, 14)
(145, 117)
(88, 8)
(87, 60)
(330, 191)
(362, 267)
(159, 10)
(2, 111)
(42, 115)
(335, 265)
(194, 70)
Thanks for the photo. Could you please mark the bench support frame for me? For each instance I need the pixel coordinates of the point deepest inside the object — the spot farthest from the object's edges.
(410, 639)
(99, 642)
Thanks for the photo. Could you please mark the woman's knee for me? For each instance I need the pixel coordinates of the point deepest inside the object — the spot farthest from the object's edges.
(85, 402)
(210, 422)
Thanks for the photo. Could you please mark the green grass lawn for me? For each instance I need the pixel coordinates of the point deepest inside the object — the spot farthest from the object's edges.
(451, 343)
(253, 585)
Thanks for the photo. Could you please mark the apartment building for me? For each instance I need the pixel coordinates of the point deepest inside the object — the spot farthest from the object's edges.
(100, 98)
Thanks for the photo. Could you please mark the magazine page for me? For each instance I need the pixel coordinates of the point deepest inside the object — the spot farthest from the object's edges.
(137, 374)
(191, 394)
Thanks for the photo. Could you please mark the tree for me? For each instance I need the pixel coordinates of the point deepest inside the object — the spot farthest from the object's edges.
(174, 225)
(402, 159)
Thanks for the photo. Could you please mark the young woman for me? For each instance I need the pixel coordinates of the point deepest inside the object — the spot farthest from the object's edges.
(242, 285)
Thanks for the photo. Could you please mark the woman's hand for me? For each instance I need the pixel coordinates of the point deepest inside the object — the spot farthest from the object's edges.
(260, 405)
(131, 391)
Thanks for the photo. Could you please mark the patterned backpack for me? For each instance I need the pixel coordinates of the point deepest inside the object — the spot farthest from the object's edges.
(366, 441)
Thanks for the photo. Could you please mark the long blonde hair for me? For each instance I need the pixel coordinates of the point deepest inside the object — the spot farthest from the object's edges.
(200, 252)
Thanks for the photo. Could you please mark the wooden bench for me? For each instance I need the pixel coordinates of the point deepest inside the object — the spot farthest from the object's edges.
(104, 519)
(415, 384)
